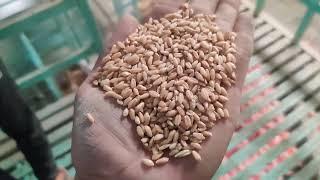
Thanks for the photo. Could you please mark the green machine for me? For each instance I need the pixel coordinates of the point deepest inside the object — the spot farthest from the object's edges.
(40, 40)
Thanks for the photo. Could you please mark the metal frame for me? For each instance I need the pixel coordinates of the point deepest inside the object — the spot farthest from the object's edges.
(313, 6)
(29, 19)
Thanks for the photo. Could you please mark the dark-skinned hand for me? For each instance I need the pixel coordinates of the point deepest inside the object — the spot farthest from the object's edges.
(110, 149)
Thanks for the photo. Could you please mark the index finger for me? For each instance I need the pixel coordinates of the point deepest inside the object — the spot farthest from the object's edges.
(163, 7)
(227, 13)
(123, 29)
(244, 42)
(204, 6)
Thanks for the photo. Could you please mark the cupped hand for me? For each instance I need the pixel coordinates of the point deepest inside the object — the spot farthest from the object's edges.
(110, 149)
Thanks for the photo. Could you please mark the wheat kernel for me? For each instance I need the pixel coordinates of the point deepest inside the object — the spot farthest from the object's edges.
(162, 161)
(148, 162)
(196, 155)
(90, 118)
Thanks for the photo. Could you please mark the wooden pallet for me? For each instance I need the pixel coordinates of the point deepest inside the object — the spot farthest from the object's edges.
(280, 107)
(280, 141)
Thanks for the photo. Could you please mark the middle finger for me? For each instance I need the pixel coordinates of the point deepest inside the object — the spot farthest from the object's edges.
(204, 6)
(227, 13)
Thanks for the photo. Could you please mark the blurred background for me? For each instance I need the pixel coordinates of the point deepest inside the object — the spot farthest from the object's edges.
(49, 46)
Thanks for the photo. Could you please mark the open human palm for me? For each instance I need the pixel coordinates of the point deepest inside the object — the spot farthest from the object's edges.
(109, 148)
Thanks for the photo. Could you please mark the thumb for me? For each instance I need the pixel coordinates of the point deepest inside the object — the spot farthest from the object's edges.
(123, 29)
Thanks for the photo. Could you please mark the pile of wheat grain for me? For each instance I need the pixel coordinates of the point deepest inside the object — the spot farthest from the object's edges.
(171, 76)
